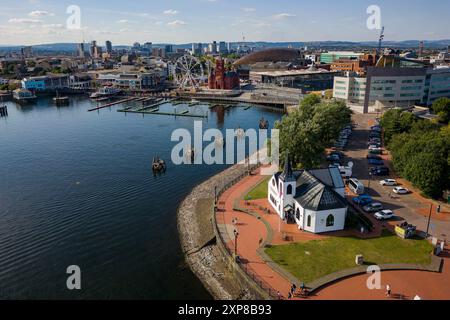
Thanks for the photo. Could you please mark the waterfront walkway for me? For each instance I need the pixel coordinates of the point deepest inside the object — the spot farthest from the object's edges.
(258, 226)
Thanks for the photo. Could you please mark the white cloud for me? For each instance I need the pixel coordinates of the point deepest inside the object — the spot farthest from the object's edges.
(249, 9)
(171, 12)
(284, 15)
(122, 21)
(263, 25)
(40, 13)
(24, 21)
(176, 23)
(54, 26)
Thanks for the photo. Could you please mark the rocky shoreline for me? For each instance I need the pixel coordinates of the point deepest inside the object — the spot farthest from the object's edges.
(199, 243)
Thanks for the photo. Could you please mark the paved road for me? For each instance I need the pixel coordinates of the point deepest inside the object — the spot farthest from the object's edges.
(411, 208)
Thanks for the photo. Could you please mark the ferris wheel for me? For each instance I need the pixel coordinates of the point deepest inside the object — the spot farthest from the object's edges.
(189, 72)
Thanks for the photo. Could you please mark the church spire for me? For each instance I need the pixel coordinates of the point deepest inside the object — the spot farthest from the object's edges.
(288, 173)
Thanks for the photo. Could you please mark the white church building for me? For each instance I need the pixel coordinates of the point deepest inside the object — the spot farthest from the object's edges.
(313, 199)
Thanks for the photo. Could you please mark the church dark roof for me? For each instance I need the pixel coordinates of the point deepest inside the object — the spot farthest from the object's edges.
(313, 194)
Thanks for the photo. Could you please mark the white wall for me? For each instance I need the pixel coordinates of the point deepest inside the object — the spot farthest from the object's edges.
(320, 224)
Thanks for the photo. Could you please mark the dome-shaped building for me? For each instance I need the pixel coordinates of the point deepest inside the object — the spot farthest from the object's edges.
(272, 56)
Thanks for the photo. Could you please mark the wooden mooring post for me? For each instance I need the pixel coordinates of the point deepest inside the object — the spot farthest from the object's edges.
(3, 111)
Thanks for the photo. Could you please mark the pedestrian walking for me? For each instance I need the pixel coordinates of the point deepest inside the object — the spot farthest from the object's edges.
(279, 295)
(289, 295)
(388, 291)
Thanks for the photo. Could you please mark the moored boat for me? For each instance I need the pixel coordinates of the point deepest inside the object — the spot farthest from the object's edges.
(60, 100)
(23, 96)
(105, 92)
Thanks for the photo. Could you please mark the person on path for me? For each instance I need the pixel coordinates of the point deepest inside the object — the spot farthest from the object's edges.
(388, 291)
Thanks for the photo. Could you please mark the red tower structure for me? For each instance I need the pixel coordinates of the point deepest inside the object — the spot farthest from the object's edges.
(221, 79)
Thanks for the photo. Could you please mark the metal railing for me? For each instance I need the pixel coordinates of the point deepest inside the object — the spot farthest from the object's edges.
(224, 238)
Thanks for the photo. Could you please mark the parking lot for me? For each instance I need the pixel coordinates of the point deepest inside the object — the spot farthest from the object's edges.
(412, 207)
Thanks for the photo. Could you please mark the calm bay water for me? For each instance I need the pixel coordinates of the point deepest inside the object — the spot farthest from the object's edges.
(76, 188)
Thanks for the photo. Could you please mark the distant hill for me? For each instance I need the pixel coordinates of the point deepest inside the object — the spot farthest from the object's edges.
(430, 44)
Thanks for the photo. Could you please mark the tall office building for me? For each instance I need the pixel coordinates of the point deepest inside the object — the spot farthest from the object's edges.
(197, 49)
(136, 46)
(213, 47)
(94, 50)
(148, 46)
(223, 47)
(108, 46)
(80, 50)
(169, 48)
(27, 52)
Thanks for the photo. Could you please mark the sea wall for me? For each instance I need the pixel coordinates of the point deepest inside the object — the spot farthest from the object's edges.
(204, 251)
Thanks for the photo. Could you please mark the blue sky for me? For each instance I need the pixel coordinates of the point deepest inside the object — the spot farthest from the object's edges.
(183, 21)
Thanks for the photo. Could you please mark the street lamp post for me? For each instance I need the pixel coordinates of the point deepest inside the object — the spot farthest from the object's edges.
(429, 220)
(370, 180)
(236, 235)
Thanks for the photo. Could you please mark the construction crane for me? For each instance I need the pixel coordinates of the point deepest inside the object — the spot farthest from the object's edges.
(380, 42)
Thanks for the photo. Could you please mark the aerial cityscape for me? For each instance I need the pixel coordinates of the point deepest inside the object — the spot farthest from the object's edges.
(225, 150)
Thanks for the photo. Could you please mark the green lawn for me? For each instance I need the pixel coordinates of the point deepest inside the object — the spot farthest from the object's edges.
(312, 260)
(260, 191)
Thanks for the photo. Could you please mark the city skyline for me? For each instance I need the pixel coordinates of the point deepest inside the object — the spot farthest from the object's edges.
(34, 22)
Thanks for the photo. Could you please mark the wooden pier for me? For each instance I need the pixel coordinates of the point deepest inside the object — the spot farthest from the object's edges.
(112, 104)
(3, 111)
(143, 108)
(155, 111)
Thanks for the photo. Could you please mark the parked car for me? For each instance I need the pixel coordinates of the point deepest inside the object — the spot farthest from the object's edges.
(401, 190)
(374, 147)
(374, 156)
(333, 158)
(375, 162)
(373, 141)
(384, 215)
(363, 200)
(373, 144)
(376, 151)
(373, 207)
(338, 153)
(388, 182)
(380, 171)
(377, 128)
(375, 135)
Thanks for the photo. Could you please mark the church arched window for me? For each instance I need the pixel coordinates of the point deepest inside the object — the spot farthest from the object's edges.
(330, 221)
(298, 214)
(308, 222)
(289, 189)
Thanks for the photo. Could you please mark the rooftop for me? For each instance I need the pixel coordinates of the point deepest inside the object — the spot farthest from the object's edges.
(286, 73)
(271, 55)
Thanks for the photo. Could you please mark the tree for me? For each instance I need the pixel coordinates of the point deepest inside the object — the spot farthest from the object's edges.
(306, 132)
(395, 122)
(422, 157)
(333, 117)
(441, 107)
(310, 100)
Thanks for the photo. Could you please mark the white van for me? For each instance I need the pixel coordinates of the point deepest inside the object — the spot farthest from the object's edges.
(346, 172)
(356, 186)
